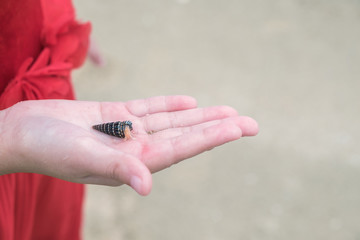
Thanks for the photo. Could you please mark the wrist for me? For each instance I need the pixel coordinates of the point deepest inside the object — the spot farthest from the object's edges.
(7, 164)
(4, 168)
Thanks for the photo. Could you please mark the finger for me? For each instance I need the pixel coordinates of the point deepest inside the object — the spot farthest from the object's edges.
(95, 54)
(160, 121)
(160, 104)
(247, 125)
(108, 166)
(163, 154)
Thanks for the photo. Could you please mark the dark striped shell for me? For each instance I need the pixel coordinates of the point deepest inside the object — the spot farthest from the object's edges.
(116, 129)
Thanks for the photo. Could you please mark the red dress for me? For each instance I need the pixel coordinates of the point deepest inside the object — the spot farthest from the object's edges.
(40, 43)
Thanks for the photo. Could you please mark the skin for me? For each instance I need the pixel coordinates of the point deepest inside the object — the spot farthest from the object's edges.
(55, 138)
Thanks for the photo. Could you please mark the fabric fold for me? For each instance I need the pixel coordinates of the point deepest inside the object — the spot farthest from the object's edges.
(65, 43)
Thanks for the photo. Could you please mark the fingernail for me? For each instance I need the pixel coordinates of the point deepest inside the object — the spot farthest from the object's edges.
(136, 183)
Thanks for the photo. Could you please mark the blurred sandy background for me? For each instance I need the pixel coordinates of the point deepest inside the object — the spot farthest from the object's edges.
(293, 65)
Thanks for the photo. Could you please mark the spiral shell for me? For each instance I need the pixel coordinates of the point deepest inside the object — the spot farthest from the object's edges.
(117, 129)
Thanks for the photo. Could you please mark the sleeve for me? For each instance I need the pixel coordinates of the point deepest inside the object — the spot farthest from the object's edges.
(64, 46)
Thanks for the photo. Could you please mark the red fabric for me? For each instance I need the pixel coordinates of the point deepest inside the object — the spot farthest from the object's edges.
(40, 43)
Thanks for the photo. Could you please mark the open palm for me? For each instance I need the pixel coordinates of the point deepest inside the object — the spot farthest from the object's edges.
(55, 137)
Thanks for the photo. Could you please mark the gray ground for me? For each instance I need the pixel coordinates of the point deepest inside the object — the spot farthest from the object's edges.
(293, 65)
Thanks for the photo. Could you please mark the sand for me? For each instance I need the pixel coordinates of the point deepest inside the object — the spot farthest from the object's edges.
(293, 65)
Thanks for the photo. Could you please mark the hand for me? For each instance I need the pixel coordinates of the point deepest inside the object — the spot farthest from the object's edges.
(55, 137)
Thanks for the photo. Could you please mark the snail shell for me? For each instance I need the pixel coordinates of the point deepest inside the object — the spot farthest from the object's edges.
(117, 129)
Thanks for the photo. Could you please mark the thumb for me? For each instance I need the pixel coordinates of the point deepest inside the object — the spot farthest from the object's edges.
(129, 170)
(114, 168)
